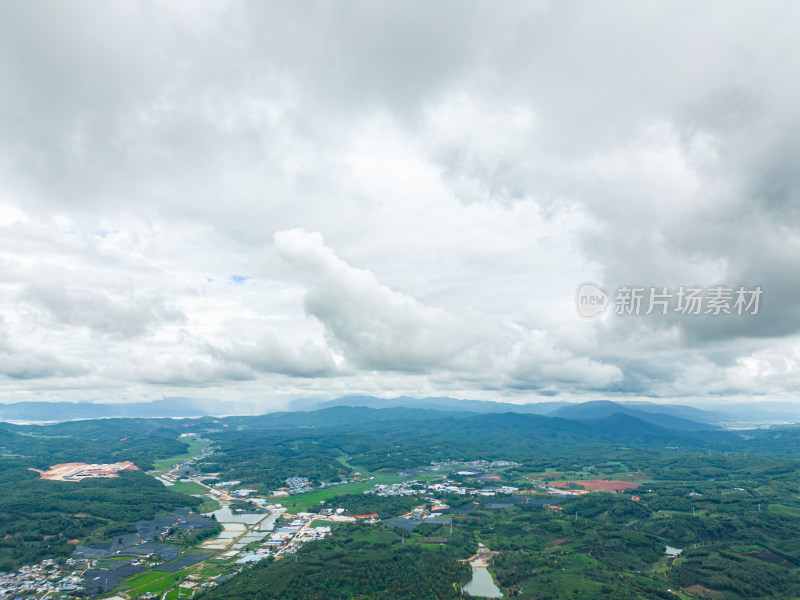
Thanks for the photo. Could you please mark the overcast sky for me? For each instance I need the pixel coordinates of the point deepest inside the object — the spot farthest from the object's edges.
(264, 201)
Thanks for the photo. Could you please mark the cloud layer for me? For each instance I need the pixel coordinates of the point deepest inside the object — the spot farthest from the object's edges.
(262, 200)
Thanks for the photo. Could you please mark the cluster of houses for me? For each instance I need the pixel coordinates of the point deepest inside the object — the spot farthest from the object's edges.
(43, 578)
(283, 535)
(291, 536)
(405, 488)
(411, 488)
(477, 464)
(226, 484)
(288, 538)
(452, 487)
(298, 485)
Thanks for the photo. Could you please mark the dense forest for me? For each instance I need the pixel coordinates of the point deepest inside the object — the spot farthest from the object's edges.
(265, 458)
(140, 441)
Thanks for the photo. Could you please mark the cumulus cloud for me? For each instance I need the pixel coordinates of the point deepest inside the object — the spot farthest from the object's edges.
(375, 327)
(471, 165)
(22, 362)
(170, 370)
(269, 354)
(378, 328)
(126, 315)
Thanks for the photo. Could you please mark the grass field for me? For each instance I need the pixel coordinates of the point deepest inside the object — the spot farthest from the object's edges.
(320, 523)
(165, 464)
(157, 582)
(190, 488)
(783, 510)
(208, 506)
(749, 548)
(178, 593)
(381, 536)
(140, 580)
(343, 460)
(209, 571)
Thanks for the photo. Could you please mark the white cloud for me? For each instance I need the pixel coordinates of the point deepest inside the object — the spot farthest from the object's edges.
(269, 354)
(377, 328)
(19, 360)
(127, 316)
(471, 165)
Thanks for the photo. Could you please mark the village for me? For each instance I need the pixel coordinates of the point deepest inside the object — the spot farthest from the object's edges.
(41, 579)
(254, 527)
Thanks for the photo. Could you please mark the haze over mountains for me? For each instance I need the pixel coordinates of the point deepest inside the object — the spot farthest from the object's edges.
(661, 416)
(670, 416)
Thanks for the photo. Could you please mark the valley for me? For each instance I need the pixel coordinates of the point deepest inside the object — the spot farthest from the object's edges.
(394, 503)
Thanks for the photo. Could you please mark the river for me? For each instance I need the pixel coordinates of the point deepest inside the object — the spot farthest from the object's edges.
(482, 585)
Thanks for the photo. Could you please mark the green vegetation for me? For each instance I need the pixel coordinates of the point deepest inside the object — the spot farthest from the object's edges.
(156, 582)
(207, 506)
(39, 518)
(141, 441)
(191, 539)
(265, 459)
(730, 501)
(42, 518)
(362, 504)
(310, 500)
(351, 565)
(188, 487)
(730, 572)
(195, 447)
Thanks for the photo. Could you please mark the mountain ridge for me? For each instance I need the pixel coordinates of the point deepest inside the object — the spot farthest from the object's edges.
(600, 409)
(670, 415)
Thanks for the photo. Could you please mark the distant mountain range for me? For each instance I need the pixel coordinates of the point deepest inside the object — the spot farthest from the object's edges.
(670, 416)
(662, 416)
(67, 411)
(444, 403)
(736, 415)
(419, 428)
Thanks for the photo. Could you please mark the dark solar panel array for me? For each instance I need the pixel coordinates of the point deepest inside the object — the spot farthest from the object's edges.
(100, 580)
(186, 561)
(407, 524)
(130, 544)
